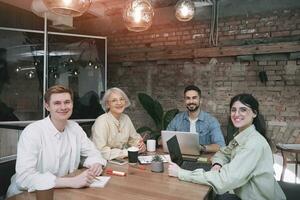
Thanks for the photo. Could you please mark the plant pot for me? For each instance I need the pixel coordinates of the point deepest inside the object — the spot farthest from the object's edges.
(157, 166)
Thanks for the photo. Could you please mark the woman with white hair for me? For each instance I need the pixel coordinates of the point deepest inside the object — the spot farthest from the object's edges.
(113, 132)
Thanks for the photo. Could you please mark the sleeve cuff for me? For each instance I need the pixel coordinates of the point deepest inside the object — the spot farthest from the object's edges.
(43, 182)
(184, 175)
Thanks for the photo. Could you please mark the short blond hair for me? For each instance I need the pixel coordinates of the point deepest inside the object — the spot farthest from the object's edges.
(107, 94)
(57, 89)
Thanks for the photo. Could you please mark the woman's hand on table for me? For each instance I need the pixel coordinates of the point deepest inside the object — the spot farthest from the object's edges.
(173, 169)
(141, 145)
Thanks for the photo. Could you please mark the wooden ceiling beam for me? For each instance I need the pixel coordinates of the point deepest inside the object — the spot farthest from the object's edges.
(153, 54)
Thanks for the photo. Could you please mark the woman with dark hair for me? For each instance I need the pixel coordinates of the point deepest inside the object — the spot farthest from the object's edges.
(244, 168)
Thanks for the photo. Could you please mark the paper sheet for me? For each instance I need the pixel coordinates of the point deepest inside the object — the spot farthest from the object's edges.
(100, 182)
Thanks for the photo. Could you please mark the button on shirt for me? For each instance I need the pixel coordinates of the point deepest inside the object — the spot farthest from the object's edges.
(44, 153)
(247, 169)
(207, 127)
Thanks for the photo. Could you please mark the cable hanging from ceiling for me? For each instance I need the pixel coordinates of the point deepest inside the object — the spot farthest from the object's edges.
(214, 29)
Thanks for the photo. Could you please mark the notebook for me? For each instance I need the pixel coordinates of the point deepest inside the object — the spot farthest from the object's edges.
(100, 182)
(188, 142)
(184, 163)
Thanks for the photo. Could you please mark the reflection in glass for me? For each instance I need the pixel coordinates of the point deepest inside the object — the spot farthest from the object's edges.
(79, 63)
(74, 61)
(21, 75)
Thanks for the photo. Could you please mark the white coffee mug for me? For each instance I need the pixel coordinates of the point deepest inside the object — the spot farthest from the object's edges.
(151, 144)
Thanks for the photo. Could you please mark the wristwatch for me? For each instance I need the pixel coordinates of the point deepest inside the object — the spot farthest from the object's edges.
(203, 148)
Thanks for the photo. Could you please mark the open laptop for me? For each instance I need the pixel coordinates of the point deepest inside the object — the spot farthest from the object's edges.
(184, 163)
(188, 142)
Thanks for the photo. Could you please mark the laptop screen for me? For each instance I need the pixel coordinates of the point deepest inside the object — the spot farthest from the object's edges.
(174, 150)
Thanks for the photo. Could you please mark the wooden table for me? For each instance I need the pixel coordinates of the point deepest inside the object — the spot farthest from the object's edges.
(289, 148)
(137, 185)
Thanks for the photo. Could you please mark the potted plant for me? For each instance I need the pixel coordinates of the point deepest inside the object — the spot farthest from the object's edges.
(157, 164)
(156, 112)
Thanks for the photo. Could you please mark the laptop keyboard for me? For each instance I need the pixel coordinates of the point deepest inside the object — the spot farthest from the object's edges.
(195, 165)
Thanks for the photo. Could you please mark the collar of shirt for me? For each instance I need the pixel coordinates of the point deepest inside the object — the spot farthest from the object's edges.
(200, 116)
(115, 121)
(243, 136)
(52, 128)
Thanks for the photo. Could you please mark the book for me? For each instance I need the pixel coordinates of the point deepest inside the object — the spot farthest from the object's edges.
(148, 159)
(100, 181)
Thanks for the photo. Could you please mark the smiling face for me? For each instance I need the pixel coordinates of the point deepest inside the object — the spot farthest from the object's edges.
(116, 104)
(60, 107)
(192, 100)
(241, 115)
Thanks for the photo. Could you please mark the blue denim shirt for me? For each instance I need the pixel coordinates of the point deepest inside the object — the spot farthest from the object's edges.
(207, 127)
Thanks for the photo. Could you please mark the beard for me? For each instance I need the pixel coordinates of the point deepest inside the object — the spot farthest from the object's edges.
(192, 107)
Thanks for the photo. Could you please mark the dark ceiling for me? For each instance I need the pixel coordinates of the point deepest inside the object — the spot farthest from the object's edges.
(105, 16)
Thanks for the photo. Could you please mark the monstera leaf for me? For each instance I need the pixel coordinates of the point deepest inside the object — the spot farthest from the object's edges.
(156, 112)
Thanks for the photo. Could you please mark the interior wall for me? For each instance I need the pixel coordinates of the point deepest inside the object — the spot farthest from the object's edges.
(165, 59)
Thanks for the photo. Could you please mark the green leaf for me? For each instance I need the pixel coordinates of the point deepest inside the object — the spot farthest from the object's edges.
(144, 129)
(153, 108)
(168, 116)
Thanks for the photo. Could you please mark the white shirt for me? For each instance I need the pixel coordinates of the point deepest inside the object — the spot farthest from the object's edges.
(44, 153)
(193, 125)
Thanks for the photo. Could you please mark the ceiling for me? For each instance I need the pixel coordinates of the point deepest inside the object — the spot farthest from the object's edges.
(105, 16)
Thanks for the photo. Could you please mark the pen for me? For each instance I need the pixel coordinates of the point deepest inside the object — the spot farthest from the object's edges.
(117, 173)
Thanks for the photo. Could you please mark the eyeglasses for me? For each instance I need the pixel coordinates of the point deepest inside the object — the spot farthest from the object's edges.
(240, 110)
(114, 101)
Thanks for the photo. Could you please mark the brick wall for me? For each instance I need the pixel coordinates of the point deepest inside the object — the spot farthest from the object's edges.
(131, 68)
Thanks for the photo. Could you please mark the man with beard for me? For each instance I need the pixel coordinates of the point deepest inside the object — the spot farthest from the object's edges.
(197, 121)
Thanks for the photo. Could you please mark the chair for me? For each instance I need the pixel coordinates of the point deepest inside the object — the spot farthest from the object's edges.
(291, 190)
(7, 170)
(289, 148)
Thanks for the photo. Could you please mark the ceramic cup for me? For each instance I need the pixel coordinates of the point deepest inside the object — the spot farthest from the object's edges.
(133, 154)
(151, 145)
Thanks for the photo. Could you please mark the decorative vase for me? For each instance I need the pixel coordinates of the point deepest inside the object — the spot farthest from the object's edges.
(157, 166)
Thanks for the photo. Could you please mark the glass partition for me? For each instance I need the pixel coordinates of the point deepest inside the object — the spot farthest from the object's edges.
(76, 61)
(21, 75)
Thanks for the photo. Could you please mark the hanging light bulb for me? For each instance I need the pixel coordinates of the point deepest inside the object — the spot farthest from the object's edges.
(75, 72)
(72, 8)
(56, 75)
(96, 66)
(71, 60)
(36, 63)
(185, 10)
(138, 15)
(30, 75)
(90, 63)
(18, 69)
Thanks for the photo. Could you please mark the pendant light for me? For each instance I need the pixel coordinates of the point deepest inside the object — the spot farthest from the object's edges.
(184, 10)
(72, 8)
(138, 15)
